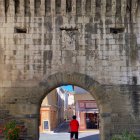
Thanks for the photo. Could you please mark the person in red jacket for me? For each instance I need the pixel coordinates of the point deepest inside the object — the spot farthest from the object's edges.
(74, 126)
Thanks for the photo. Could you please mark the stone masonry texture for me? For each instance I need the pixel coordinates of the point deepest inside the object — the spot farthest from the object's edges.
(94, 44)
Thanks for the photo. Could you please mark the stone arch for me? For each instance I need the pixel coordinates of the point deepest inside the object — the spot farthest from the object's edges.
(86, 82)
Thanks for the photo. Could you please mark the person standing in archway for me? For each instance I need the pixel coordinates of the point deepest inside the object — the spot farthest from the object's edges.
(74, 126)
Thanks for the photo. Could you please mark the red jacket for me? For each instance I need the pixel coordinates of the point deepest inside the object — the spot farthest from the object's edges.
(74, 125)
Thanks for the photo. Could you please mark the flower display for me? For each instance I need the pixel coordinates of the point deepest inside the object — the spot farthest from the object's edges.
(11, 131)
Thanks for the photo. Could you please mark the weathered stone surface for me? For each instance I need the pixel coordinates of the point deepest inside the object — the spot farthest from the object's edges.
(93, 44)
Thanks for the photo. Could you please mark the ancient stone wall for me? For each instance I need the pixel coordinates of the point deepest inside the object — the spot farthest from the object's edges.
(60, 39)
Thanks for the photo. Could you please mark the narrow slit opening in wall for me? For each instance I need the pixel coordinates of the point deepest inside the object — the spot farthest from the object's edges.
(20, 30)
(116, 30)
(37, 6)
(17, 4)
(108, 6)
(134, 80)
(88, 6)
(78, 7)
(27, 7)
(58, 6)
(68, 6)
(47, 6)
(118, 7)
(6, 5)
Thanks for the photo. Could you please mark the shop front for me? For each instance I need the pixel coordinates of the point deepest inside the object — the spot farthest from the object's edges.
(87, 114)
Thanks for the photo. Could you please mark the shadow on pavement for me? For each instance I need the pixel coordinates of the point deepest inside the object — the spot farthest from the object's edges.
(63, 127)
(91, 137)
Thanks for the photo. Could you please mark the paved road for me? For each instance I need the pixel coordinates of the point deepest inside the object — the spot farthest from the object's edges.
(66, 136)
(61, 133)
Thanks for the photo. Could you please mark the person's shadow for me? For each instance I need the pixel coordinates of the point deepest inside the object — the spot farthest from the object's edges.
(91, 137)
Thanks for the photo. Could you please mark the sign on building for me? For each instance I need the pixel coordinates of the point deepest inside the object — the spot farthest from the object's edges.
(45, 124)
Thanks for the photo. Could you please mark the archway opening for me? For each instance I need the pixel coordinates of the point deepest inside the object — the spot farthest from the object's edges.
(58, 107)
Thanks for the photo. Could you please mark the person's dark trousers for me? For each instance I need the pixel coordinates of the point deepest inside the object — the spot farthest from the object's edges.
(72, 134)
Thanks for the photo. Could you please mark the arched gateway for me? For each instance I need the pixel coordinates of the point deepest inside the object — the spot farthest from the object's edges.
(93, 44)
(86, 82)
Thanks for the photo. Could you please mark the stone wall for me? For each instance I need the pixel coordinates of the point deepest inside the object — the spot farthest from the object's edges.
(43, 41)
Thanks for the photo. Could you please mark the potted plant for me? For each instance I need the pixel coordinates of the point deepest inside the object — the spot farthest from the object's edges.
(11, 131)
